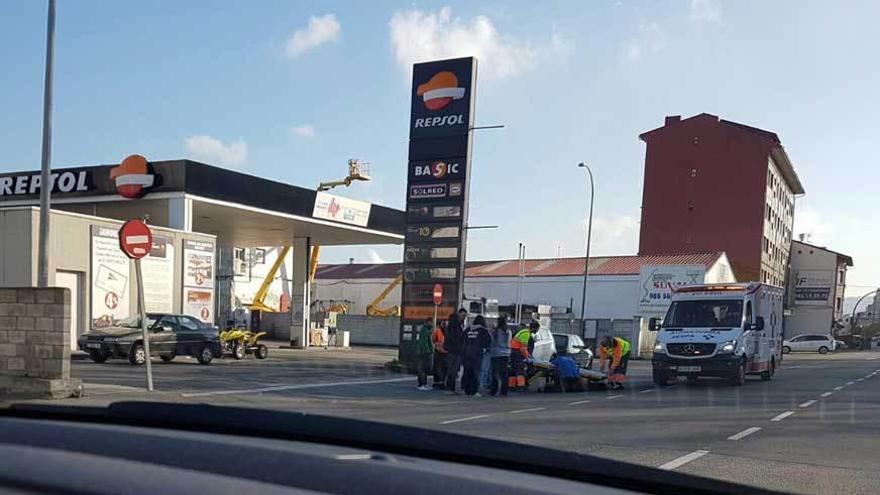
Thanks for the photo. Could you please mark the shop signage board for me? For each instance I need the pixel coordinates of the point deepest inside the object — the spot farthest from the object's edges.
(657, 282)
(198, 279)
(438, 170)
(111, 277)
(341, 209)
(813, 287)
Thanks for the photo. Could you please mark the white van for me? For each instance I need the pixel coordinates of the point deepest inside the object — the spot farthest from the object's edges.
(719, 330)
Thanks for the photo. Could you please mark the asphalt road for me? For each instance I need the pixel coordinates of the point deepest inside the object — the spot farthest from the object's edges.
(812, 429)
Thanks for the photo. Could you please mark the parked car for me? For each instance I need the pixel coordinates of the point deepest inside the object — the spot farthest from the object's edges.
(170, 335)
(573, 346)
(839, 344)
(809, 343)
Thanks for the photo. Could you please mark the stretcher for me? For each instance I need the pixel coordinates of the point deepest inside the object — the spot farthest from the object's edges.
(546, 369)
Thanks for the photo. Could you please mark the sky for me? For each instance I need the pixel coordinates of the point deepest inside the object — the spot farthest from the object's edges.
(290, 90)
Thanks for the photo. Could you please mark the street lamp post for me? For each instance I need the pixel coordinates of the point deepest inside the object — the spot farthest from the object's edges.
(852, 318)
(587, 256)
(45, 180)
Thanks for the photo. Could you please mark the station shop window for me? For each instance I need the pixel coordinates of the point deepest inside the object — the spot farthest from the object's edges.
(259, 256)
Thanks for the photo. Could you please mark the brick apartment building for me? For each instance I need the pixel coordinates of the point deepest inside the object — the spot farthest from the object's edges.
(716, 185)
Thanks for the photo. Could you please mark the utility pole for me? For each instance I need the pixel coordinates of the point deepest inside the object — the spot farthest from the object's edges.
(45, 175)
(587, 256)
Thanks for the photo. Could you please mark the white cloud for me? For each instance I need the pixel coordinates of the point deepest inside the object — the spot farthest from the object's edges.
(809, 222)
(303, 131)
(320, 30)
(417, 36)
(214, 151)
(375, 257)
(614, 236)
(706, 11)
(650, 40)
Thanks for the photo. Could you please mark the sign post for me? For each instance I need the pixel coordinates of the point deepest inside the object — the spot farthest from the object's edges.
(438, 299)
(136, 240)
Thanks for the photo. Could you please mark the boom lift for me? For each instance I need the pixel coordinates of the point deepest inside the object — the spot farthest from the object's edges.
(373, 308)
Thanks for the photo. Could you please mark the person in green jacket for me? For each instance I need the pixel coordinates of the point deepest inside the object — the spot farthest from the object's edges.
(424, 353)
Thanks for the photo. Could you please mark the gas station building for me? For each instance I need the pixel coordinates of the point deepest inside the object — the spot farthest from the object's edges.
(199, 215)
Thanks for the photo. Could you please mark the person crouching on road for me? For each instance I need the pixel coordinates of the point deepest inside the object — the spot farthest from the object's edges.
(521, 347)
(424, 351)
(617, 349)
(454, 345)
(499, 353)
(569, 374)
(476, 343)
(438, 338)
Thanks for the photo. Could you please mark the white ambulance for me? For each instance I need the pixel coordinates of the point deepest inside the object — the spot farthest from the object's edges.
(719, 330)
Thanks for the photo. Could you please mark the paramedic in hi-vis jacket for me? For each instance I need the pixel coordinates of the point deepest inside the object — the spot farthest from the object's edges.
(617, 349)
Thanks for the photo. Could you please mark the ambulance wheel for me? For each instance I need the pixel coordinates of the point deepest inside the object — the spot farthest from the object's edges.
(768, 374)
(660, 378)
(739, 375)
(261, 352)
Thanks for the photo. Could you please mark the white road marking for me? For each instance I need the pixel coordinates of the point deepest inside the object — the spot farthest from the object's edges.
(353, 457)
(826, 394)
(745, 433)
(838, 388)
(469, 418)
(518, 411)
(647, 390)
(860, 379)
(780, 417)
(681, 461)
(808, 403)
(578, 402)
(293, 387)
(614, 396)
(848, 383)
(869, 376)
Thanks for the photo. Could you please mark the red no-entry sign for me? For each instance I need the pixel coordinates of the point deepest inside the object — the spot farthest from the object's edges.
(135, 239)
(438, 294)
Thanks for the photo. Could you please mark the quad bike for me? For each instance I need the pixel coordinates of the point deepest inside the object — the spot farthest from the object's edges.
(240, 342)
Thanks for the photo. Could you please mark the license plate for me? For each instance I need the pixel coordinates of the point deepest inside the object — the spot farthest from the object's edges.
(93, 346)
(689, 369)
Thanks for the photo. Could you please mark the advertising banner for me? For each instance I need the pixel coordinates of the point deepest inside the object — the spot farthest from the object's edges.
(158, 268)
(110, 278)
(198, 279)
(340, 209)
(441, 121)
(813, 287)
(656, 283)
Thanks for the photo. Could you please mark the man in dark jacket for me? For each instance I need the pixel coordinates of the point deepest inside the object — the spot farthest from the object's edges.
(453, 345)
(476, 344)
(425, 351)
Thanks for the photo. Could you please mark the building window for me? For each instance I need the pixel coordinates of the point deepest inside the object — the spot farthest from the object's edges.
(837, 305)
(259, 255)
(239, 261)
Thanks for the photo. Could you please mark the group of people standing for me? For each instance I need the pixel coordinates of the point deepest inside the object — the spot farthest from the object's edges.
(492, 358)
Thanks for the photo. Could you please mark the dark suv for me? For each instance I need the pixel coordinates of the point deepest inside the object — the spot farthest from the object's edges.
(170, 335)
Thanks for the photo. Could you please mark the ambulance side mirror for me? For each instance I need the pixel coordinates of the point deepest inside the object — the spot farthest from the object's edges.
(654, 324)
(757, 325)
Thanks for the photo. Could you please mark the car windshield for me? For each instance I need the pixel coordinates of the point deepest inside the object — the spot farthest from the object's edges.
(706, 313)
(135, 322)
(327, 209)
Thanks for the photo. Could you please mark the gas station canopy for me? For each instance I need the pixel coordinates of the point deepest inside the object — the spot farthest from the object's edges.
(241, 209)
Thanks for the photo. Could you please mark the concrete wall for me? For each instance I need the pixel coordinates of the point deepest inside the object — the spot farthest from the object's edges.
(70, 250)
(34, 343)
(370, 330)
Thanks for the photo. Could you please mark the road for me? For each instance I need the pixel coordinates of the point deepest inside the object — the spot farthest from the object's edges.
(812, 429)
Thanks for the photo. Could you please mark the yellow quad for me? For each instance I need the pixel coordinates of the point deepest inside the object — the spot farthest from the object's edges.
(240, 342)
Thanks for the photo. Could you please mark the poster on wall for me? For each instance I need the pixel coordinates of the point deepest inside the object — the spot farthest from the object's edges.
(656, 283)
(110, 278)
(158, 268)
(199, 303)
(198, 279)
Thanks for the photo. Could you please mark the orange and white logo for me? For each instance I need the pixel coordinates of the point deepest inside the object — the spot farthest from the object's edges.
(132, 177)
(440, 90)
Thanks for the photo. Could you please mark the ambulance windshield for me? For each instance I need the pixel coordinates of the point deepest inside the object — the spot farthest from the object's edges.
(706, 313)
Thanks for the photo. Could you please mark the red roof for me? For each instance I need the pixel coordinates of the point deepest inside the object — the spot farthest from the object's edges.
(599, 265)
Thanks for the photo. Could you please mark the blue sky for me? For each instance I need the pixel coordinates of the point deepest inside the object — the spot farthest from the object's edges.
(291, 90)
